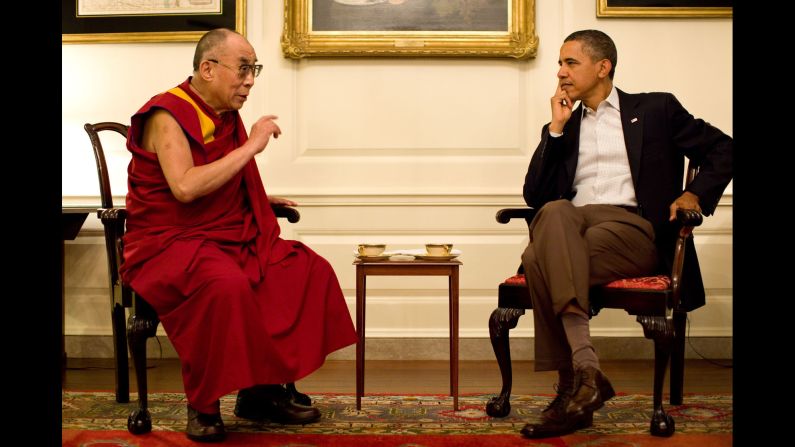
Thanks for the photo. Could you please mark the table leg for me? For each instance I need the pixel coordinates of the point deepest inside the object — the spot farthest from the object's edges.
(454, 336)
(361, 285)
(63, 318)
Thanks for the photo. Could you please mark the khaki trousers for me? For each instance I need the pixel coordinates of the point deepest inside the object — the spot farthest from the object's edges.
(571, 249)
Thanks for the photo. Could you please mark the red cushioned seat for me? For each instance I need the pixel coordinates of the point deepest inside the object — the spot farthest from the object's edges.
(659, 282)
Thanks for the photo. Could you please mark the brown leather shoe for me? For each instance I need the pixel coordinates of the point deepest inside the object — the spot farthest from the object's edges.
(592, 390)
(204, 427)
(273, 402)
(557, 408)
(549, 427)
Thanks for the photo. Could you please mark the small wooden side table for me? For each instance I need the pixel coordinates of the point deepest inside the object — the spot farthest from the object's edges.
(72, 219)
(406, 268)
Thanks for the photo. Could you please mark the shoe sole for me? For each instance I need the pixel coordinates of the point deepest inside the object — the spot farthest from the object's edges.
(254, 416)
(584, 423)
(250, 415)
(295, 421)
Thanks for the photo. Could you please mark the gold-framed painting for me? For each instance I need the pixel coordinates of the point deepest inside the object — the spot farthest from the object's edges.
(668, 8)
(117, 21)
(412, 28)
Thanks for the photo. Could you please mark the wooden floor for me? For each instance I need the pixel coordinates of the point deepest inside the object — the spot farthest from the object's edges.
(417, 377)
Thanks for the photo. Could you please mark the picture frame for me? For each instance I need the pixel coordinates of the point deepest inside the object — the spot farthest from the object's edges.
(347, 28)
(669, 8)
(111, 21)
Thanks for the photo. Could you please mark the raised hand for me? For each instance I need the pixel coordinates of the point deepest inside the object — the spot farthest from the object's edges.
(262, 130)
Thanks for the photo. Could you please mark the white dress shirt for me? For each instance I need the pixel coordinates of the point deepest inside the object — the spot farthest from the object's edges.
(603, 175)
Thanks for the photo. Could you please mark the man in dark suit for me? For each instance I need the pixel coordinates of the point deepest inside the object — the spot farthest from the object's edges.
(607, 179)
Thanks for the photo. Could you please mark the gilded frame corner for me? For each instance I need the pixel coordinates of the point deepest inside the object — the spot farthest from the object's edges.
(648, 9)
(519, 41)
(148, 31)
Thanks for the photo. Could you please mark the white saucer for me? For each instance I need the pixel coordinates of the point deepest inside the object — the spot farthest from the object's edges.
(373, 258)
(428, 257)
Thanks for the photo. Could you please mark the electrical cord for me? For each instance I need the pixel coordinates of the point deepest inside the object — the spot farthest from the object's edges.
(689, 342)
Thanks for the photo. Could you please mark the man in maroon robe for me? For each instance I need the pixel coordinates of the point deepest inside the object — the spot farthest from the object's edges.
(244, 309)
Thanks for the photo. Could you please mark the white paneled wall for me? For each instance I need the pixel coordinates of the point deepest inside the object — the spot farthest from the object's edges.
(402, 151)
(417, 306)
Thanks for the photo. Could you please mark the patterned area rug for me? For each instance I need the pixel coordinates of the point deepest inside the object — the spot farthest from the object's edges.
(95, 419)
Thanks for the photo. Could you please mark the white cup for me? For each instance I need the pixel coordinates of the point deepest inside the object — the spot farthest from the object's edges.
(371, 250)
(438, 249)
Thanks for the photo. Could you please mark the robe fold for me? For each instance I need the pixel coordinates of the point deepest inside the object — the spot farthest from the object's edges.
(241, 305)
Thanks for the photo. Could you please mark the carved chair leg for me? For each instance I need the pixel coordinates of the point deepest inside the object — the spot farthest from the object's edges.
(142, 325)
(659, 329)
(118, 320)
(501, 321)
(678, 358)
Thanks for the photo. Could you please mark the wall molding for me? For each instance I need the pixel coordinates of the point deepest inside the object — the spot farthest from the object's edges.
(470, 349)
(333, 224)
(484, 198)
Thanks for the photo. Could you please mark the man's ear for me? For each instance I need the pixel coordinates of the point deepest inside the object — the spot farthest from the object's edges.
(206, 70)
(604, 68)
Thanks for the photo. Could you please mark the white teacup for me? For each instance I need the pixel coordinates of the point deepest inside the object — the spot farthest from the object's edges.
(438, 249)
(370, 250)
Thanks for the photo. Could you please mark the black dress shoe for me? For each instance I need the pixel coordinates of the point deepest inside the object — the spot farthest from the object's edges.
(203, 427)
(592, 390)
(273, 402)
(298, 397)
(549, 428)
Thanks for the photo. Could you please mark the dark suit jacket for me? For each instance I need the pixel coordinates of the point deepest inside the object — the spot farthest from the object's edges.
(658, 133)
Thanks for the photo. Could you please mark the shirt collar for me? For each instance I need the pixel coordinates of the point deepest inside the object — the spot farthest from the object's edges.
(611, 100)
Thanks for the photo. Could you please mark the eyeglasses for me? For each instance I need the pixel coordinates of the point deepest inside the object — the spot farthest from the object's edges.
(243, 70)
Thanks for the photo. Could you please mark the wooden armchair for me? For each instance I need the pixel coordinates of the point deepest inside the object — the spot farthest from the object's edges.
(655, 300)
(143, 321)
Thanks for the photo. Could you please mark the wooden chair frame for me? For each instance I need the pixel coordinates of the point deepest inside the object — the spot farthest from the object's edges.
(657, 311)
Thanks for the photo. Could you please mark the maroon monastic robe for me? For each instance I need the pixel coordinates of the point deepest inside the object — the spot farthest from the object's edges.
(240, 305)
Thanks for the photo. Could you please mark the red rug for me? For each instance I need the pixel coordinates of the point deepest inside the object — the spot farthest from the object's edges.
(95, 419)
(111, 438)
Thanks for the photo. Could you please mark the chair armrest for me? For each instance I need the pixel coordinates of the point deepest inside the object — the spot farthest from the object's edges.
(506, 214)
(113, 220)
(116, 215)
(111, 215)
(291, 214)
(688, 219)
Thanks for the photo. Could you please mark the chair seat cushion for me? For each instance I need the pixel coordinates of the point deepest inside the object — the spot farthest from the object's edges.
(516, 280)
(659, 282)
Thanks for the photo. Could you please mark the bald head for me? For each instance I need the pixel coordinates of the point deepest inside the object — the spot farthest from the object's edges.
(224, 68)
(209, 44)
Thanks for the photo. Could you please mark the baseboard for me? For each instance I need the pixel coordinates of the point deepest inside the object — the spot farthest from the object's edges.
(608, 348)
